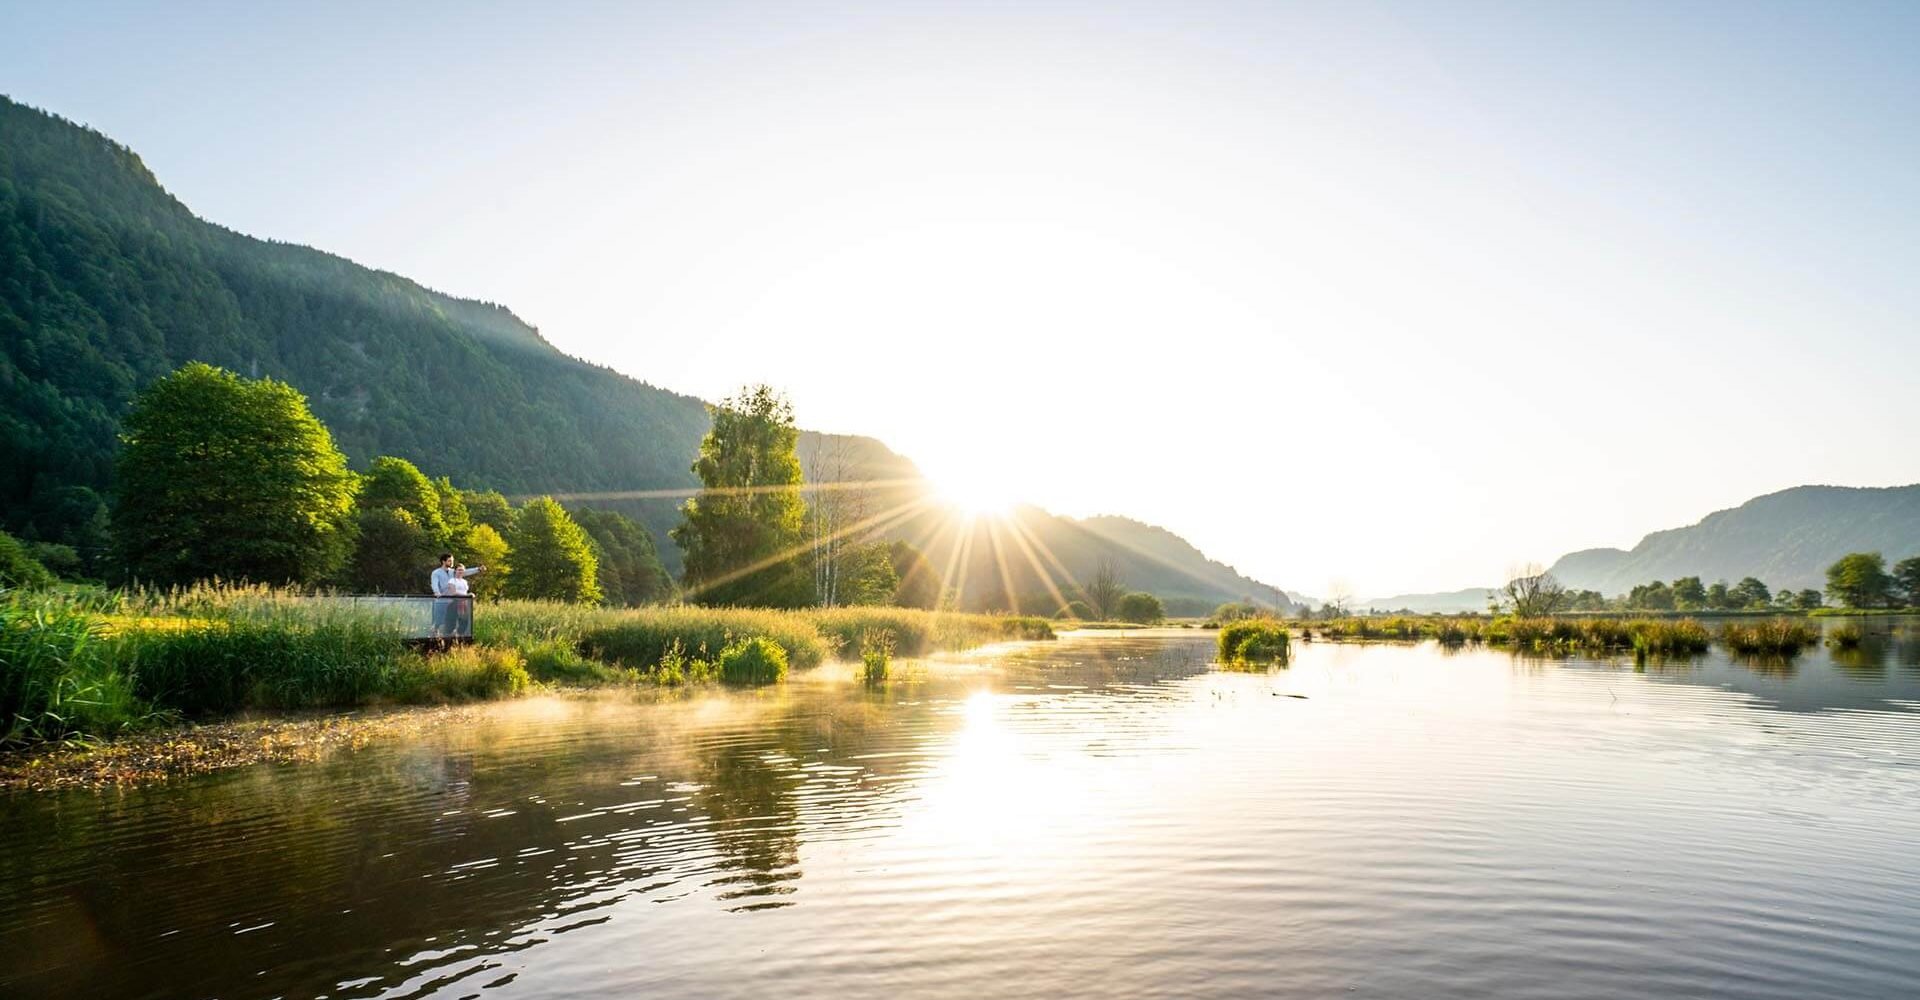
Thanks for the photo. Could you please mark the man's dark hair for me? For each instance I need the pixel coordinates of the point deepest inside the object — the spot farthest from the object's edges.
(444, 556)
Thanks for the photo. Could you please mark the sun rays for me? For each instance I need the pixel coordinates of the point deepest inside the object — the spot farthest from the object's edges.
(949, 525)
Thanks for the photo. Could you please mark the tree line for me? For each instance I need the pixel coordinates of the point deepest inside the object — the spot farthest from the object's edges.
(223, 476)
(1856, 580)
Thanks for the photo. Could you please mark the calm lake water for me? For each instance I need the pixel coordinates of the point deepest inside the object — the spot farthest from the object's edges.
(1101, 816)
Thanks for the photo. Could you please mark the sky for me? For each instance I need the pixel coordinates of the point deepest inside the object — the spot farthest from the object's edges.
(1360, 296)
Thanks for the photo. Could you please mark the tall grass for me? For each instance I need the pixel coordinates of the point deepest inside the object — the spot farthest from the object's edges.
(1646, 635)
(57, 679)
(1772, 636)
(95, 662)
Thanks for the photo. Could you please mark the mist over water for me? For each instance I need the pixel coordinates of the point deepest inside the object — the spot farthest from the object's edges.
(1105, 815)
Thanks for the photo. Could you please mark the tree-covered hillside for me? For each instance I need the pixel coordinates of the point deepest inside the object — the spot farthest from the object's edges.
(107, 283)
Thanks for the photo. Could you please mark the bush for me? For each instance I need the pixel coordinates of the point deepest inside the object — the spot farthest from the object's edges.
(1140, 607)
(1253, 641)
(1075, 610)
(18, 568)
(556, 661)
(758, 660)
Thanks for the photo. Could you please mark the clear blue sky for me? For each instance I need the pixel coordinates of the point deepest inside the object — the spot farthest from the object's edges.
(1500, 280)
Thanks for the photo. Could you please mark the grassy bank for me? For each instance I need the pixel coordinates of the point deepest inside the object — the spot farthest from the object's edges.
(85, 665)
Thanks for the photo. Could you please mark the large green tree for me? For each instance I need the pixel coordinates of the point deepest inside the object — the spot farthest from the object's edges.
(1689, 594)
(402, 529)
(1906, 576)
(630, 570)
(229, 477)
(742, 535)
(1860, 580)
(553, 557)
(1751, 593)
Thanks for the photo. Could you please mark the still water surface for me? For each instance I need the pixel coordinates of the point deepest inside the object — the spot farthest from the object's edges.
(1102, 816)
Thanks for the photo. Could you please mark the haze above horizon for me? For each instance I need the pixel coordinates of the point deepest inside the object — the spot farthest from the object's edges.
(1389, 297)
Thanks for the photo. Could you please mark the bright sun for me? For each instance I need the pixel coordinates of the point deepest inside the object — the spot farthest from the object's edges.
(975, 494)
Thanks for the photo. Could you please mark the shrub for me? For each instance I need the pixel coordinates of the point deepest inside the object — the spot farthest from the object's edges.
(1140, 607)
(1253, 641)
(1075, 610)
(18, 568)
(758, 660)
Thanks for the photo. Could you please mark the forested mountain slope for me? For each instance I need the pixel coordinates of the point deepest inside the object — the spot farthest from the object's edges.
(107, 282)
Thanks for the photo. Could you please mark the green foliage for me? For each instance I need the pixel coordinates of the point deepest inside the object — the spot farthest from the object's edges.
(483, 546)
(56, 680)
(630, 573)
(231, 478)
(1906, 579)
(1776, 636)
(216, 667)
(1655, 596)
(1689, 594)
(463, 673)
(1140, 608)
(395, 484)
(1860, 580)
(110, 283)
(18, 568)
(1233, 611)
(393, 553)
(868, 576)
(1252, 642)
(1075, 611)
(1751, 593)
(488, 507)
(876, 655)
(917, 633)
(740, 537)
(1808, 600)
(919, 583)
(553, 558)
(756, 660)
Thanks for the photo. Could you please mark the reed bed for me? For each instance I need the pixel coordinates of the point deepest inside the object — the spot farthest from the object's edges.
(1644, 635)
(1773, 636)
(1847, 636)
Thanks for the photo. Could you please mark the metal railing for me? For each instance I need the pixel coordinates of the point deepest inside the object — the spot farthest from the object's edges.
(421, 617)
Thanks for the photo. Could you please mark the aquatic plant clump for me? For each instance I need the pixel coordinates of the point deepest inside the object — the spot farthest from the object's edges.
(1772, 636)
(1847, 636)
(876, 655)
(1253, 641)
(758, 660)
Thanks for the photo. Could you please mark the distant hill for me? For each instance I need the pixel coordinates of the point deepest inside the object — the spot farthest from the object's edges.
(1008, 562)
(107, 282)
(1787, 539)
(1451, 602)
